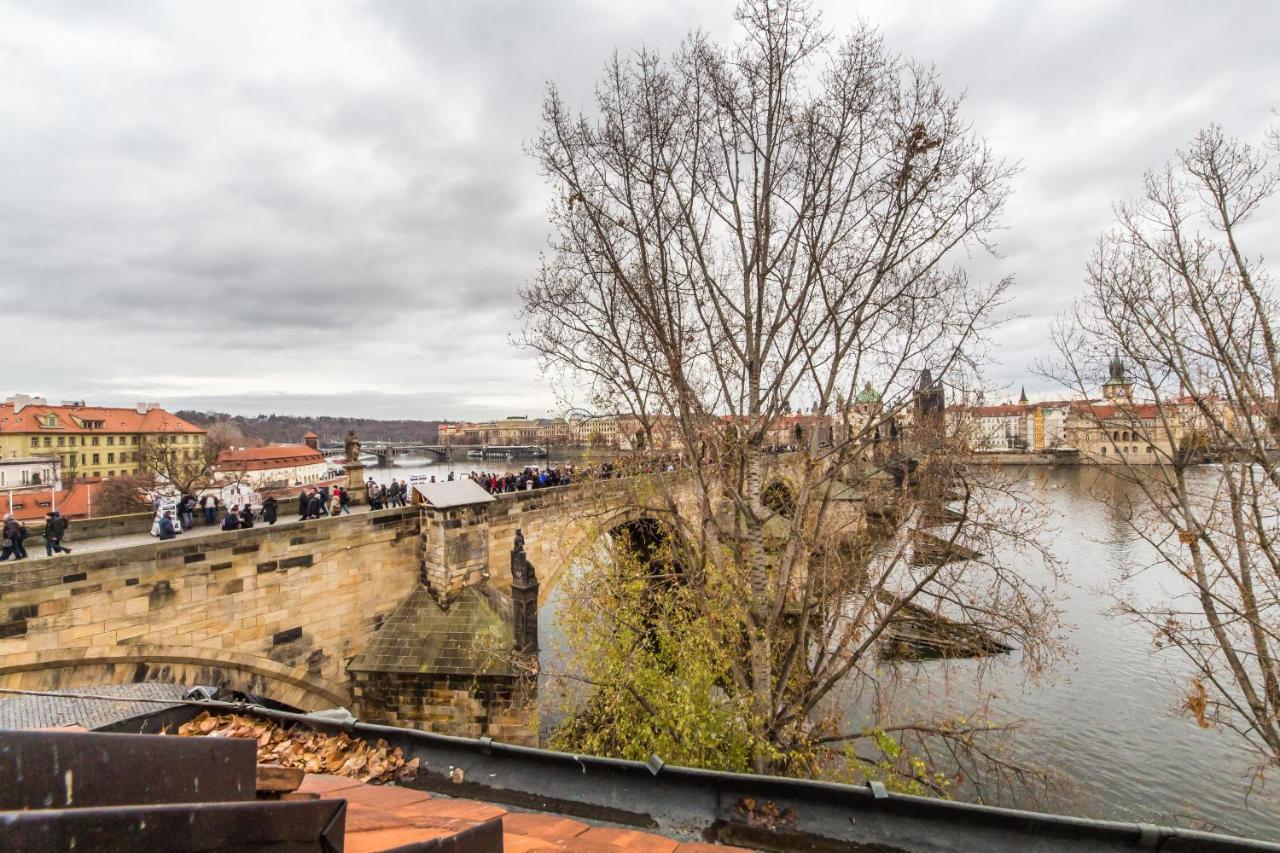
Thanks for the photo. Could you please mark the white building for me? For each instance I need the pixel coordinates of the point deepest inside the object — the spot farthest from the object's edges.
(31, 472)
(274, 466)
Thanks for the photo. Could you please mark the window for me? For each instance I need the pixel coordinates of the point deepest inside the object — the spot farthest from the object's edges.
(95, 458)
(111, 440)
(111, 473)
(111, 459)
(82, 460)
(35, 442)
(95, 441)
(1150, 449)
(133, 439)
(48, 442)
(1104, 451)
(61, 440)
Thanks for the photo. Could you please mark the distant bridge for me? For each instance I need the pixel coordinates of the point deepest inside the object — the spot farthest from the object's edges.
(388, 450)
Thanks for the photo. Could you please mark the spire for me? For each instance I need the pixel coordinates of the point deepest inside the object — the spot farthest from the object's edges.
(1117, 368)
(1023, 399)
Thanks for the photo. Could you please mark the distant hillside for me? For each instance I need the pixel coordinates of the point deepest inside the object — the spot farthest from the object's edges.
(286, 429)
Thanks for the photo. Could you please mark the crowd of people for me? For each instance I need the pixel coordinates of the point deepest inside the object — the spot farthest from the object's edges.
(386, 496)
(326, 500)
(535, 477)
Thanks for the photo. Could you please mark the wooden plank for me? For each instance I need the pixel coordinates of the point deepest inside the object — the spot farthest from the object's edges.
(277, 779)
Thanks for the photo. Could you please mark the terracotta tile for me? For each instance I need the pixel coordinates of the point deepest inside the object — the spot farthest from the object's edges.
(469, 810)
(512, 843)
(548, 826)
(388, 839)
(624, 839)
(383, 796)
(425, 814)
(362, 817)
(323, 783)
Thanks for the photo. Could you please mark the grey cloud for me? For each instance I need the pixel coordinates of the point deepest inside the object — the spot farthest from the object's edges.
(325, 207)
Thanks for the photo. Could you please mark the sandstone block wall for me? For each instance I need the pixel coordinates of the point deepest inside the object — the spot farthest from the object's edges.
(299, 598)
(454, 705)
(455, 550)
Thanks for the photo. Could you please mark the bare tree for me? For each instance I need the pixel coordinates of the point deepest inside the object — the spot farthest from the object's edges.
(121, 495)
(1188, 319)
(185, 467)
(743, 230)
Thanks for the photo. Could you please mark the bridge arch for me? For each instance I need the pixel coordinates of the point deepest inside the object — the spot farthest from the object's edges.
(57, 669)
(780, 497)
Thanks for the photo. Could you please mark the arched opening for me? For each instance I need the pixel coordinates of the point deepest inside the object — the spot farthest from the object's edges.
(778, 497)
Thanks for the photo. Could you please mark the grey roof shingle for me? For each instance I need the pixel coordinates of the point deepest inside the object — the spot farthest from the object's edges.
(69, 709)
(470, 638)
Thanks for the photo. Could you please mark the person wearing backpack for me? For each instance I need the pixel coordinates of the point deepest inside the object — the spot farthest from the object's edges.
(55, 527)
(12, 534)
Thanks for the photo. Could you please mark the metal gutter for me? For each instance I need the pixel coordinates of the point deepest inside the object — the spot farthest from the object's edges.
(731, 807)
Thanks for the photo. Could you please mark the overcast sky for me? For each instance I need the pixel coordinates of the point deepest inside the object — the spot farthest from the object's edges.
(324, 208)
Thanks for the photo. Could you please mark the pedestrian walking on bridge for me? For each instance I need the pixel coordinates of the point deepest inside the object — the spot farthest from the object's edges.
(55, 526)
(12, 534)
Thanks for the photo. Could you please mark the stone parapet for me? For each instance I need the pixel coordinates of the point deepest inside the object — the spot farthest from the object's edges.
(301, 595)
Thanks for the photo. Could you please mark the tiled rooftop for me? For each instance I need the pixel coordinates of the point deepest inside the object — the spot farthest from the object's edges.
(382, 817)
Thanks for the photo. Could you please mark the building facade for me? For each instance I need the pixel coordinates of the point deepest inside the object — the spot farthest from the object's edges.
(94, 442)
(274, 466)
(30, 472)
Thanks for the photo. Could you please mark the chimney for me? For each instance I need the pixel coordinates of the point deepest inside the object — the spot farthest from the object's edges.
(524, 600)
(143, 408)
(21, 401)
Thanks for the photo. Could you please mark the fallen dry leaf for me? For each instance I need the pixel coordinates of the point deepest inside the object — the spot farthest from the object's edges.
(314, 752)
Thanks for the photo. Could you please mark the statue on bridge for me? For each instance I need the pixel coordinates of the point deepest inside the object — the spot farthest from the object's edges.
(352, 446)
(524, 600)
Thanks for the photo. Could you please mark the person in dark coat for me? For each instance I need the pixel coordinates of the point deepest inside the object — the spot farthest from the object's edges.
(345, 500)
(166, 526)
(314, 505)
(246, 516)
(55, 526)
(12, 534)
(269, 510)
(231, 521)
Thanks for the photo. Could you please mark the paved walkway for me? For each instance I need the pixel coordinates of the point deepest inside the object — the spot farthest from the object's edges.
(35, 544)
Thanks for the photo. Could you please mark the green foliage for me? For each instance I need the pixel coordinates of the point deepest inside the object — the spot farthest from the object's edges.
(659, 668)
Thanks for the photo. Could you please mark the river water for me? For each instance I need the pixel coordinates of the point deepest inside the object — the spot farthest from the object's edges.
(1105, 720)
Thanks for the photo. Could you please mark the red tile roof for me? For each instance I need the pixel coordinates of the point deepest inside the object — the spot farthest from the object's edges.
(267, 458)
(71, 417)
(32, 505)
(384, 817)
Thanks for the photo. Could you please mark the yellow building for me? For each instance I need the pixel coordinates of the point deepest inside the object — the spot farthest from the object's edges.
(94, 441)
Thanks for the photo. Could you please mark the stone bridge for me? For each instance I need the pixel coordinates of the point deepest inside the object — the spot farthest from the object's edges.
(365, 611)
